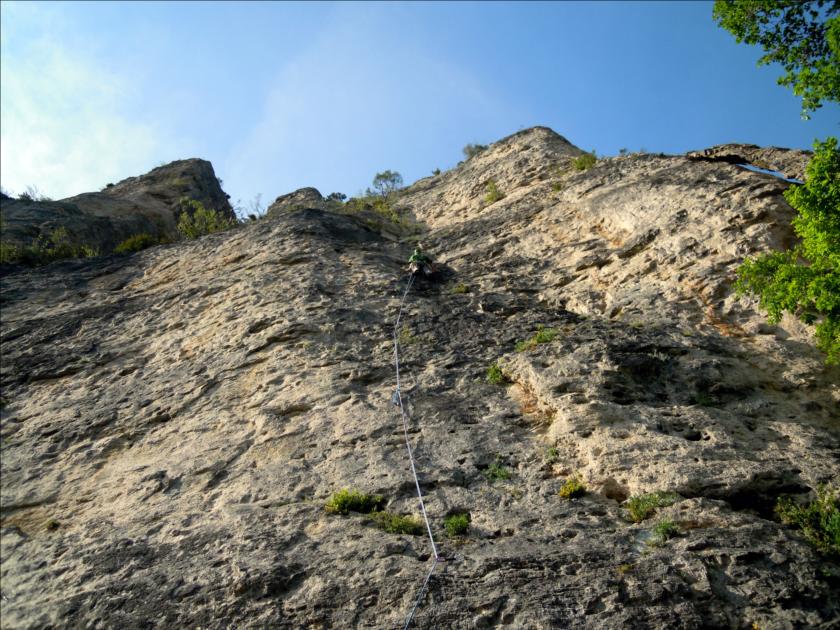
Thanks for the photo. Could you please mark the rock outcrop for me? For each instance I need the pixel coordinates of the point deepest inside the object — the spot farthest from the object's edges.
(173, 422)
(789, 162)
(148, 203)
(301, 199)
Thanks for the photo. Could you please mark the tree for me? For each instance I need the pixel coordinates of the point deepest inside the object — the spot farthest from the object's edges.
(386, 182)
(804, 37)
(805, 280)
(471, 150)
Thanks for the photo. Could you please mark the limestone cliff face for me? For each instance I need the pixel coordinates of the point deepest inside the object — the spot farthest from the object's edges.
(174, 422)
(148, 203)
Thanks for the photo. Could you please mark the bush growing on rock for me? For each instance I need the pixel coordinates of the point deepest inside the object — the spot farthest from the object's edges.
(642, 506)
(196, 220)
(663, 532)
(573, 488)
(585, 162)
(46, 249)
(495, 375)
(345, 501)
(457, 524)
(493, 193)
(471, 150)
(136, 243)
(819, 520)
(397, 523)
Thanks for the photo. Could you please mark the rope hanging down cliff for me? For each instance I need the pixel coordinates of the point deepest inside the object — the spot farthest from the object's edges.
(397, 398)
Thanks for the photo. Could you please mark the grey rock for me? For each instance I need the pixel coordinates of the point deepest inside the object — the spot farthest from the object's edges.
(175, 421)
(148, 203)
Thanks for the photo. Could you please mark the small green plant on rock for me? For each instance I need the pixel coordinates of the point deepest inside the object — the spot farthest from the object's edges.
(543, 335)
(397, 523)
(457, 524)
(345, 501)
(819, 520)
(136, 243)
(573, 488)
(493, 193)
(642, 506)
(552, 455)
(663, 532)
(585, 162)
(497, 471)
(460, 288)
(495, 376)
(405, 337)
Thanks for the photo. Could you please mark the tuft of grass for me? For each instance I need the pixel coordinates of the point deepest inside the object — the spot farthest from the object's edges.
(624, 569)
(552, 455)
(557, 186)
(497, 471)
(663, 532)
(543, 335)
(397, 523)
(573, 488)
(642, 506)
(585, 161)
(493, 193)
(819, 520)
(345, 501)
(460, 288)
(495, 375)
(135, 243)
(457, 524)
(405, 337)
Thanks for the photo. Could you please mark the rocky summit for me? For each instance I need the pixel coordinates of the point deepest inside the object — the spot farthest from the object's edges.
(175, 421)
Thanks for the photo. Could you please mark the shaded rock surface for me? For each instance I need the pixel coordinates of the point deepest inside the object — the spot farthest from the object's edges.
(175, 421)
(148, 203)
(301, 199)
(790, 162)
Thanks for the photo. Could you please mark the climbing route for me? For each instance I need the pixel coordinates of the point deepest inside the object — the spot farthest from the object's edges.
(398, 400)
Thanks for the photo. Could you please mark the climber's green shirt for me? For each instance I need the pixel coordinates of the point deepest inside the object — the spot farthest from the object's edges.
(419, 257)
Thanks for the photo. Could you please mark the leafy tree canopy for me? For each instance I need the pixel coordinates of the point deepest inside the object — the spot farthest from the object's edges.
(804, 37)
(386, 182)
(805, 280)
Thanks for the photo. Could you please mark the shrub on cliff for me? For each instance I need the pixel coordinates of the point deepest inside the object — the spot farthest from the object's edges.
(196, 220)
(136, 243)
(805, 280)
(471, 150)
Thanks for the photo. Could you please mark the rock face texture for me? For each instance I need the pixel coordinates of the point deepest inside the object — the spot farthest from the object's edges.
(174, 422)
(148, 203)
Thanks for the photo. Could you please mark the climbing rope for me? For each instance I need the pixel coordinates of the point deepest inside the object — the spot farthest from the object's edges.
(397, 398)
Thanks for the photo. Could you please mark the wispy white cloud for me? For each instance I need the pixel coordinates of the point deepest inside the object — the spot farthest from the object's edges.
(62, 126)
(360, 99)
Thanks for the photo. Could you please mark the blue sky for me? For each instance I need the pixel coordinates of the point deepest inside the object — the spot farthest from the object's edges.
(283, 95)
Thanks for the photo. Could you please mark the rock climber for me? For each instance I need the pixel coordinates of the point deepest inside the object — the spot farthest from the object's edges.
(419, 262)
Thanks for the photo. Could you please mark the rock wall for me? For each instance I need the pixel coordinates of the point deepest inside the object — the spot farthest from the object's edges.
(174, 422)
(148, 203)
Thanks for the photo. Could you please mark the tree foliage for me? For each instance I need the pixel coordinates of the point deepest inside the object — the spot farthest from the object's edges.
(805, 280)
(803, 37)
(386, 182)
